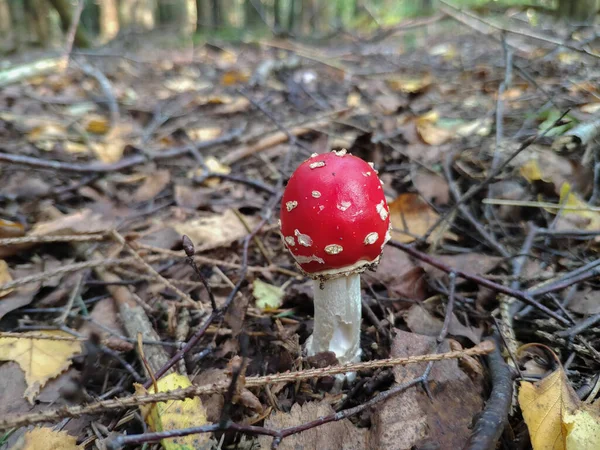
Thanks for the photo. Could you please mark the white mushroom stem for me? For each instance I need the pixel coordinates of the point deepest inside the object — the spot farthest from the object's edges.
(337, 318)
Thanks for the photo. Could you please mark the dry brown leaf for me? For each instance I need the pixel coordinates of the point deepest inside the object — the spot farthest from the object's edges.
(420, 320)
(10, 229)
(400, 276)
(432, 134)
(110, 149)
(81, 222)
(411, 217)
(586, 301)
(342, 435)
(152, 186)
(40, 359)
(46, 439)
(215, 231)
(411, 418)
(432, 187)
(475, 263)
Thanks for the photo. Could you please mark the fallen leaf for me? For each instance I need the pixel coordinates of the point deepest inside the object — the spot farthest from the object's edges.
(80, 222)
(432, 187)
(556, 417)
(175, 414)
(46, 439)
(411, 217)
(110, 148)
(475, 263)
(75, 147)
(204, 133)
(388, 104)
(353, 100)
(577, 212)
(97, 124)
(48, 131)
(237, 105)
(233, 77)
(190, 197)
(420, 320)
(400, 276)
(410, 85)
(586, 301)
(10, 229)
(334, 435)
(40, 359)
(216, 230)
(214, 166)
(5, 277)
(152, 186)
(267, 296)
(411, 417)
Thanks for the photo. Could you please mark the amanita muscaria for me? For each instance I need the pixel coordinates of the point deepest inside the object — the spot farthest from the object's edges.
(335, 222)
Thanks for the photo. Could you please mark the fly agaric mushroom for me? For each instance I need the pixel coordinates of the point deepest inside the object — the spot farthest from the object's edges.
(335, 222)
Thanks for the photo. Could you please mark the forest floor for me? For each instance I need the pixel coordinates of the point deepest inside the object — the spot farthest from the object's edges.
(485, 143)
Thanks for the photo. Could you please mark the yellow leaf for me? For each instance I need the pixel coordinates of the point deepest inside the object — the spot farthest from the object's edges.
(353, 100)
(49, 131)
(75, 147)
(232, 77)
(409, 85)
(175, 414)
(46, 439)
(267, 296)
(110, 150)
(531, 171)
(204, 134)
(40, 359)
(215, 166)
(411, 217)
(97, 125)
(590, 108)
(556, 418)
(578, 208)
(583, 429)
(5, 277)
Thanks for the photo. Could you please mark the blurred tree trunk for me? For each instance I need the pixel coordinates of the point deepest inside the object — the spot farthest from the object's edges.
(17, 17)
(200, 14)
(109, 20)
(65, 12)
(136, 13)
(252, 15)
(292, 16)
(578, 11)
(217, 14)
(277, 15)
(90, 17)
(171, 12)
(36, 17)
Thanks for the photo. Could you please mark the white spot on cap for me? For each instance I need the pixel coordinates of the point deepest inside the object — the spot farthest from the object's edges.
(317, 164)
(316, 194)
(388, 236)
(313, 155)
(303, 239)
(341, 152)
(321, 207)
(343, 206)
(371, 238)
(372, 165)
(301, 259)
(367, 174)
(333, 249)
(291, 205)
(290, 240)
(381, 210)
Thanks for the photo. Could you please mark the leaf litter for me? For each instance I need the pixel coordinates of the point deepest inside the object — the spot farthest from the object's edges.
(201, 151)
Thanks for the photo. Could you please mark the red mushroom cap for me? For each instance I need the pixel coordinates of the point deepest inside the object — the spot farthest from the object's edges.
(334, 215)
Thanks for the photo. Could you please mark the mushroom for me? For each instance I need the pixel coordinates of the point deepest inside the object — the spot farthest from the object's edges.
(335, 222)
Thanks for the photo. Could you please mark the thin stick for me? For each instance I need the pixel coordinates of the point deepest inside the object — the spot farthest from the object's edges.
(193, 391)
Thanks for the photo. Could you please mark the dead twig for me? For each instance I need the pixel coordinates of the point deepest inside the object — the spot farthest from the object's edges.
(193, 391)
